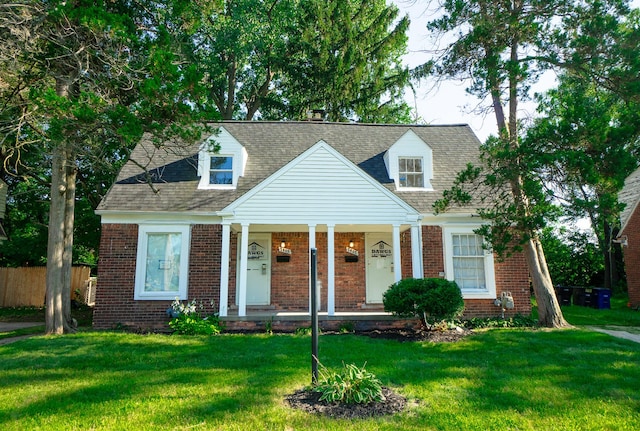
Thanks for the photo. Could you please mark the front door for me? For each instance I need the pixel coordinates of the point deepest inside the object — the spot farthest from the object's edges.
(379, 264)
(258, 269)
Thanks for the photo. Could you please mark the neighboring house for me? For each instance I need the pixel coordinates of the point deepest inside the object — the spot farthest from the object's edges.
(3, 207)
(235, 226)
(629, 235)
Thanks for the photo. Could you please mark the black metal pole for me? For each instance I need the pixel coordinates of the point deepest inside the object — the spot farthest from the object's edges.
(314, 316)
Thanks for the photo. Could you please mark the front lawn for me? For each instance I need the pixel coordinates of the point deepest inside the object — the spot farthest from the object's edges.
(503, 379)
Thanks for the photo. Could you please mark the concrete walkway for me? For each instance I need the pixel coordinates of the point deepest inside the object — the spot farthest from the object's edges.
(12, 326)
(619, 333)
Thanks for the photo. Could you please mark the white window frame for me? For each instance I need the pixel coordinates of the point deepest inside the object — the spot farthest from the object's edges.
(400, 172)
(489, 269)
(211, 170)
(141, 267)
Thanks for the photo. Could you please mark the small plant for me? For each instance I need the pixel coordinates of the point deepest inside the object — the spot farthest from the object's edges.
(268, 326)
(347, 328)
(303, 330)
(432, 299)
(187, 319)
(351, 385)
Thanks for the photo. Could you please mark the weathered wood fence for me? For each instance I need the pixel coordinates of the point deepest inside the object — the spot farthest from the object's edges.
(20, 287)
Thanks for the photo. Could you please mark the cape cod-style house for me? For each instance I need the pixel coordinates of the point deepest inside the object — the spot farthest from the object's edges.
(629, 235)
(230, 221)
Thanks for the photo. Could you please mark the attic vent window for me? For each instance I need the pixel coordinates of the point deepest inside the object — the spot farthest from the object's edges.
(411, 172)
(221, 170)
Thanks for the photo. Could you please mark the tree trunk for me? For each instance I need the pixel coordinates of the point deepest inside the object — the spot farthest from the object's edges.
(54, 317)
(549, 312)
(60, 237)
(67, 258)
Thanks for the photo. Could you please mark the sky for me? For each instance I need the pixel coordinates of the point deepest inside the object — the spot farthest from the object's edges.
(449, 103)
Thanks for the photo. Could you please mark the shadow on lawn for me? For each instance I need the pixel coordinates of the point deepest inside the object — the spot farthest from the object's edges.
(502, 374)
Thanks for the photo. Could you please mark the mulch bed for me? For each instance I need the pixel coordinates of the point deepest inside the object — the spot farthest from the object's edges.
(308, 400)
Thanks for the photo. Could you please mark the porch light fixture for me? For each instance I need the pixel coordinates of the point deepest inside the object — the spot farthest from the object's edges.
(351, 244)
(283, 244)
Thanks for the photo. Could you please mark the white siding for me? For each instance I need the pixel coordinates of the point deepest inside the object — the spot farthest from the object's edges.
(319, 187)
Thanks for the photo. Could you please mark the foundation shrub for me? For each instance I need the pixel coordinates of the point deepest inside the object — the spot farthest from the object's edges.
(432, 299)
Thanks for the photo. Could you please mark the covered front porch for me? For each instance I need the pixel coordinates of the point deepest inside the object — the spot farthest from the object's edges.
(267, 269)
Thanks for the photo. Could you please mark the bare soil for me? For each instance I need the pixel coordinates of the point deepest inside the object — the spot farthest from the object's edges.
(309, 400)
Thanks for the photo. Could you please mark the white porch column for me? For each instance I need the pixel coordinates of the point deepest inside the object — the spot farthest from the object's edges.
(416, 252)
(242, 286)
(331, 271)
(397, 264)
(312, 244)
(224, 267)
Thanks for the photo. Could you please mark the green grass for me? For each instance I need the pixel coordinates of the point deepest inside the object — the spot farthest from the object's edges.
(618, 315)
(503, 379)
(24, 331)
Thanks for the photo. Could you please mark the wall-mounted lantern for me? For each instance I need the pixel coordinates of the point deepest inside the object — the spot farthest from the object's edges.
(284, 253)
(352, 253)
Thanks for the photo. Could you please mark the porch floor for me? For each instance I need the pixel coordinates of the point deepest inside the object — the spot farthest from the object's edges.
(260, 315)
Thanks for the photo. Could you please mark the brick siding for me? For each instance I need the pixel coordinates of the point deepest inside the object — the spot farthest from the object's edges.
(632, 257)
(115, 305)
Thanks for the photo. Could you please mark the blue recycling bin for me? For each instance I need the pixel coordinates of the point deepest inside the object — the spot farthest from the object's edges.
(601, 298)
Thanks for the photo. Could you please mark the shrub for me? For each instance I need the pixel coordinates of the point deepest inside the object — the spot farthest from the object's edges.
(188, 320)
(432, 299)
(352, 385)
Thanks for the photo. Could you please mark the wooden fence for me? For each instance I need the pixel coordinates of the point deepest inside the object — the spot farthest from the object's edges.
(20, 287)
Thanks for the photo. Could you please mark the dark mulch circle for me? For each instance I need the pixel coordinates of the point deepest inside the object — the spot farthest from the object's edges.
(309, 401)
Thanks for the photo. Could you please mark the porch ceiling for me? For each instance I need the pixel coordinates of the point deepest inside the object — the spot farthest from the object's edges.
(339, 228)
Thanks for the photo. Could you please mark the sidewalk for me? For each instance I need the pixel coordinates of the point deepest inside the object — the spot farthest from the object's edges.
(619, 333)
(12, 326)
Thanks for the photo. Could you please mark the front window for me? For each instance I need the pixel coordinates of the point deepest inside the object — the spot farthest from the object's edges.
(162, 262)
(468, 261)
(221, 170)
(411, 173)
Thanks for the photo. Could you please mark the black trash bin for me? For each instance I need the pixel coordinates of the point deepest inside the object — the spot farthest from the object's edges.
(601, 298)
(563, 293)
(583, 296)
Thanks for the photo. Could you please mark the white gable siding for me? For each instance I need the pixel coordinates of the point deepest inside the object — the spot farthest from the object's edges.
(321, 187)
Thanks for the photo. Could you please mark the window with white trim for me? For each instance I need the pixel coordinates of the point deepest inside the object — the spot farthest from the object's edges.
(469, 263)
(221, 170)
(410, 172)
(162, 262)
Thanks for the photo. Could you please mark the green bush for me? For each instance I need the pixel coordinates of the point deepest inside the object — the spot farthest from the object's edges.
(432, 299)
(187, 320)
(352, 385)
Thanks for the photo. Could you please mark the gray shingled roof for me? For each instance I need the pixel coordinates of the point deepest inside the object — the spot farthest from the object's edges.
(630, 195)
(271, 145)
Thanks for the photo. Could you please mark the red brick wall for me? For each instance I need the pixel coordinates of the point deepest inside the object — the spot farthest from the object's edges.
(432, 251)
(405, 254)
(204, 266)
(289, 280)
(115, 305)
(632, 257)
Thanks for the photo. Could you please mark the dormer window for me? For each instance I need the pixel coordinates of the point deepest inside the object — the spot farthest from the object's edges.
(410, 172)
(221, 170)
(221, 162)
(409, 162)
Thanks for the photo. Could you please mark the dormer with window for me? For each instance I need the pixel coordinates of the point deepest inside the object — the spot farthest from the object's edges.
(221, 161)
(409, 163)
